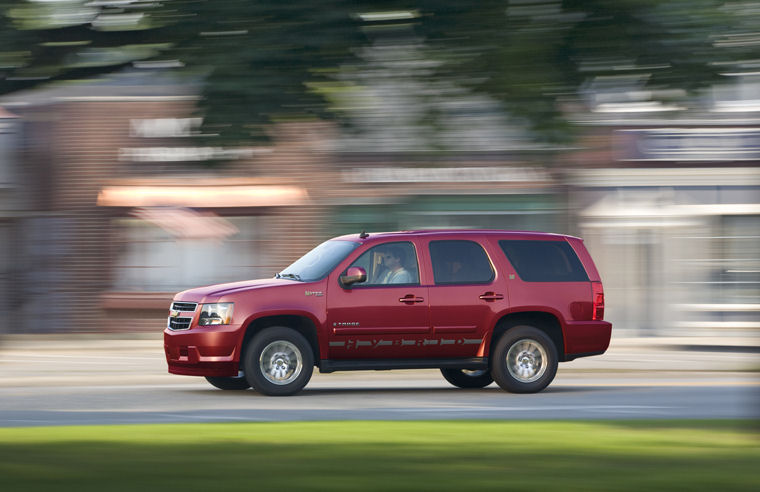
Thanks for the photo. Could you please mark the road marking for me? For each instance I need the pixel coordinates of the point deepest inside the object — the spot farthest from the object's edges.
(56, 360)
(663, 384)
(48, 361)
(631, 408)
(212, 417)
(35, 421)
(79, 357)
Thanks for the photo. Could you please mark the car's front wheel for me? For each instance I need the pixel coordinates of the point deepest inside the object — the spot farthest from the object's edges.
(524, 360)
(467, 378)
(231, 383)
(278, 361)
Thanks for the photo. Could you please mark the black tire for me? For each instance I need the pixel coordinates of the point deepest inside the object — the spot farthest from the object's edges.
(278, 361)
(464, 378)
(231, 383)
(532, 362)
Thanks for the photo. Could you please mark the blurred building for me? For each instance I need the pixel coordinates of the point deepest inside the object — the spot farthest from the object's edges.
(123, 209)
(668, 201)
(120, 211)
(11, 205)
(109, 206)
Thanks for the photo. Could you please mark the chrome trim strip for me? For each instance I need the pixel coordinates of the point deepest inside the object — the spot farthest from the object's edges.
(175, 308)
(178, 320)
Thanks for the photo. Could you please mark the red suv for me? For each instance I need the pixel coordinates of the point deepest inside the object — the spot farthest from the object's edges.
(480, 305)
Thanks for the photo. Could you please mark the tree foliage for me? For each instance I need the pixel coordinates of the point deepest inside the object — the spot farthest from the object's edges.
(260, 60)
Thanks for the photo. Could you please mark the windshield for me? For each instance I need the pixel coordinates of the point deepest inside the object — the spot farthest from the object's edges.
(318, 262)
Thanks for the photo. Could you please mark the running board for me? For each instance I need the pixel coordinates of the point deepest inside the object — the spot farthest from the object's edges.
(330, 365)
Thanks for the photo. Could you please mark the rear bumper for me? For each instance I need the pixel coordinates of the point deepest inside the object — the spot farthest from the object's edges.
(201, 351)
(585, 338)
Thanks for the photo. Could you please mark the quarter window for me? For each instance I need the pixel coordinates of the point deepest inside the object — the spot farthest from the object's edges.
(544, 261)
(460, 262)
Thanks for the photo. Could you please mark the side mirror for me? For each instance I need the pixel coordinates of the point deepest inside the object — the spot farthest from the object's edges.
(353, 275)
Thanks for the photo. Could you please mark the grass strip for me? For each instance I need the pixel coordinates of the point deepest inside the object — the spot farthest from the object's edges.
(370, 455)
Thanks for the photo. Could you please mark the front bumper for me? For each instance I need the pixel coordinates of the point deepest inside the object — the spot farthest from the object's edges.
(203, 351)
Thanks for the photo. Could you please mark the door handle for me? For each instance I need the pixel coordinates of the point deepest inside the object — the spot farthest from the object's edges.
(410, 298)
(491, 296)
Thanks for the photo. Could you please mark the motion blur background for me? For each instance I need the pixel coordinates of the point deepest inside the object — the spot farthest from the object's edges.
(147, 147)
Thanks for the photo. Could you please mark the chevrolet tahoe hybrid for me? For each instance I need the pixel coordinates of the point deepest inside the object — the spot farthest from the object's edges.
(480, 305)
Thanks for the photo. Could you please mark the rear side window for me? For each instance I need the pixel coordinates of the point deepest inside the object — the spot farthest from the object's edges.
(544, 261)
(460, 262)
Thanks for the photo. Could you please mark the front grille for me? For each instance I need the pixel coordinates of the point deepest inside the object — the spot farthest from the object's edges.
(184, 306)
(179, 323)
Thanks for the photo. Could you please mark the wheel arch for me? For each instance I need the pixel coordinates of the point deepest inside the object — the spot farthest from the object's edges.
(302, 324)
(542, 320)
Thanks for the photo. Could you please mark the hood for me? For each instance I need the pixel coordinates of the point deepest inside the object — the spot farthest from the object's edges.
(211, 293)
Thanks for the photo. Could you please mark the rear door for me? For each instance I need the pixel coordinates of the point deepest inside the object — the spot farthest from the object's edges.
(466, 296)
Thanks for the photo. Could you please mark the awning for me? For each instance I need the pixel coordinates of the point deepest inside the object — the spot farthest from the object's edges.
(202, 196)
(652, 210)
(613, 207)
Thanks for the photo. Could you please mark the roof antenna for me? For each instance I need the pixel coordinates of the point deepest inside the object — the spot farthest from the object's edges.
(363, 235)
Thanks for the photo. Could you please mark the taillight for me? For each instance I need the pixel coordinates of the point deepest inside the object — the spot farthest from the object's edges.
(597, 293)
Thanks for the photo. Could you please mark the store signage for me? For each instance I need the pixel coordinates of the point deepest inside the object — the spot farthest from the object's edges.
(174, 128)
(446, 175)
(690, 144)
(179, 154)
(164, 127)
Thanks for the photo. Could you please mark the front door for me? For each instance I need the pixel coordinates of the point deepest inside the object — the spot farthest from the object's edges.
(385, 317)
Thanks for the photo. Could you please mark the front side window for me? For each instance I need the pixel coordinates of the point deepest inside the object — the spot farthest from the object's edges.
(389, 264)
(544, 261)
(320, 261)
(460, 262)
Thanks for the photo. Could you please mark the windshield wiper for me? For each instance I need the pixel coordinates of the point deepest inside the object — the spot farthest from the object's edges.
(294, 276)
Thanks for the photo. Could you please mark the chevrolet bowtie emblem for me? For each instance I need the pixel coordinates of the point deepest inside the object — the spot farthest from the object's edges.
(173, 313)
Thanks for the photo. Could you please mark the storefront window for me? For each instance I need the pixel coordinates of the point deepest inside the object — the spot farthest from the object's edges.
(153, 259)
(738, 265)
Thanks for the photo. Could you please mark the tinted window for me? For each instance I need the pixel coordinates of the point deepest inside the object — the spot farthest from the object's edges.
(389, 263)
(318, 262)
(460, 262)
(544, 261)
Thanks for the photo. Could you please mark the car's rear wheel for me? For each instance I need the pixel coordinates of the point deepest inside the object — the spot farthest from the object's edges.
(467, 378)
(230, 383)
(524, 360)
(278, 361)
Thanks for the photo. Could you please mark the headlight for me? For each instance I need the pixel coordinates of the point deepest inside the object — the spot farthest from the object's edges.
(216, 314)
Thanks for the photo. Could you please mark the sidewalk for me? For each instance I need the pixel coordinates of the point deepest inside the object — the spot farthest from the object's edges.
(736, 344)
(626, 354)
(677, 354)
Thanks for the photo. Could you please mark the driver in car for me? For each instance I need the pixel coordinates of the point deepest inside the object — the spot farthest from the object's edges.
(393, 260)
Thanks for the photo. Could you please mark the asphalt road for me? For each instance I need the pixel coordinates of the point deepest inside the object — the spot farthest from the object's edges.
(56, 382)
